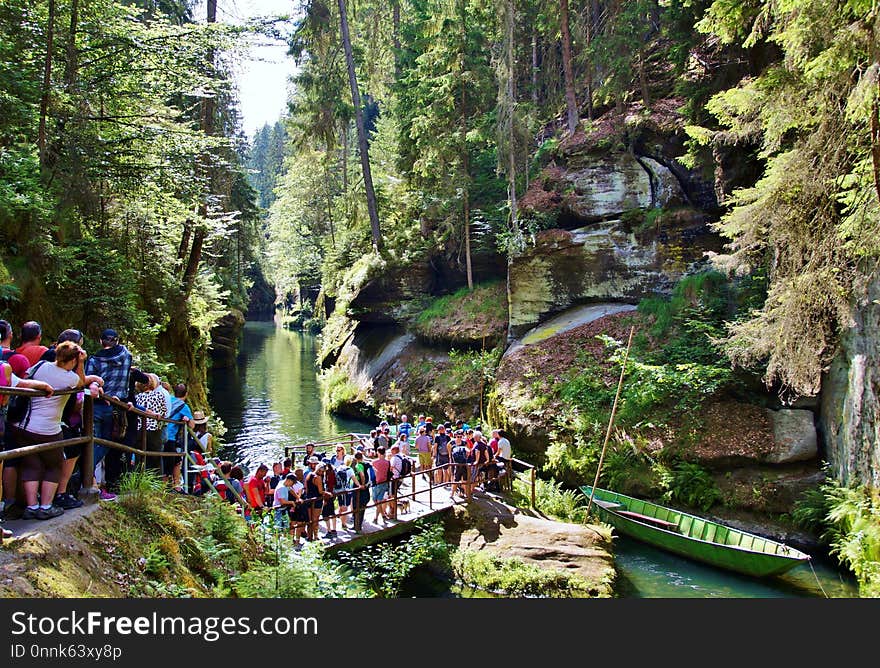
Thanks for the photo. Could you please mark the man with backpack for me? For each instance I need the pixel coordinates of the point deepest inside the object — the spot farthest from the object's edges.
(482, 459)
(401, 466)
(459, 455)
(382, 467)
(360, 491)
(175, 435)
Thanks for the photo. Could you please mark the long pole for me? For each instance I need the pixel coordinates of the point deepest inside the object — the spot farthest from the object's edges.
(611, 419)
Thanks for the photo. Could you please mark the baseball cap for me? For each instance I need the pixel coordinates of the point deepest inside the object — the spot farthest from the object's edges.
(314, 460)
(109, 335)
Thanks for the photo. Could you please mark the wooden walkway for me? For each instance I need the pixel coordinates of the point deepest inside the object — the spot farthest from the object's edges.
(429, 501)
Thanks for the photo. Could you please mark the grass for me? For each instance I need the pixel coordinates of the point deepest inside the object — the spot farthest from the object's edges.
(487, 300)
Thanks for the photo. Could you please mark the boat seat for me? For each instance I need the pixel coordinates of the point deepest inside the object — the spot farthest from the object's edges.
(608, 505)
(645, 518)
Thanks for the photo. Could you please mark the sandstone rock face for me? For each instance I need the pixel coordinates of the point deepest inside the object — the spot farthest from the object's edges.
(609, 185)
(850, 407)
(379, 300)
(794, 436)
(224, 338)
(602, 262)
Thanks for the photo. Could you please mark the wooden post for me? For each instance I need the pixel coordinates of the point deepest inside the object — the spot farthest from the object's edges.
(185, 428)
(87, 463)
(532, 472)
(414, 483)
(431, 494)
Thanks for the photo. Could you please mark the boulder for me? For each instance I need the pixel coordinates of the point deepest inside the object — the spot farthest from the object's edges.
(224, 339)
(379, 299)
(794, 436)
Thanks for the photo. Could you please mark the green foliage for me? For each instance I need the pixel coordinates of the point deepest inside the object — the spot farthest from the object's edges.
(484, 299)
(848, 517)
(551, 499)
(337, 388)
(515, 578)
(687, 483)
(383, 567)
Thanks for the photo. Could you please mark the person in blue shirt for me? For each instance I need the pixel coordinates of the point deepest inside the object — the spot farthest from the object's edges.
(180, 410)
(404, 427)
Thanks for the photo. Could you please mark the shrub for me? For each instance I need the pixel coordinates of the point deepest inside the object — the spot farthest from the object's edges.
(515, 578)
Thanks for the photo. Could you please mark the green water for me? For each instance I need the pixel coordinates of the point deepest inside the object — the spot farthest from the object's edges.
(272, 398)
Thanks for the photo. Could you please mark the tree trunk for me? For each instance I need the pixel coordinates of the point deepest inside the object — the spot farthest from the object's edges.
(47, 84)
(535, 69)
(589, 32)
(570, 99)
(71, 72)
(511, 96)
(643, 79)
(465, 163)
(372, 209)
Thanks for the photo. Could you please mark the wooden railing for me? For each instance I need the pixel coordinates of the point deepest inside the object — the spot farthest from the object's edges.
(88, 440)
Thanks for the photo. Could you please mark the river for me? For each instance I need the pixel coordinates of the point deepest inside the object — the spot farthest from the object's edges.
(272, 398)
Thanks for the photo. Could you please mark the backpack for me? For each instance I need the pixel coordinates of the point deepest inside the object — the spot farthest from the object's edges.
(405, 465)
(371, 473)
(19, 406)
(330, 479)
(342, 480)
(459, 454)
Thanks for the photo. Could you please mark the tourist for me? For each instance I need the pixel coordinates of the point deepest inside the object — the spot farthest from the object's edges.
(442, 454)
(381, 439)
(310, 451)
(396, 477)
(458, 452)
(382, 467)
(255, 491)
(113, 364)
(13, 510)
(328, 511)
(343, 485)
(152, 398)
(180, 410)
(360, 493)
(403, 444)
(42, 423)
(205, 438)
(423, 448)
(16, 360)
(282, 502)
(272, 482)
(314, 495)
(404, 428)
(31, 335)
(299, 513)
(481, 459)
(338, 458)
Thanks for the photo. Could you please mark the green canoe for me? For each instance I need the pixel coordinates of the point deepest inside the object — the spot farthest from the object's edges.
(694, 537)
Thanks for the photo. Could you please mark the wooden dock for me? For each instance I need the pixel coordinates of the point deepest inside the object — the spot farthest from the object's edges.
(429, 501)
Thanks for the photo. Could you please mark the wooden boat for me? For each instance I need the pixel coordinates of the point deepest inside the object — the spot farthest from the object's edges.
(694, 537)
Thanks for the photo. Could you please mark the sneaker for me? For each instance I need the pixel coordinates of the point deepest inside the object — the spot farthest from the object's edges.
(67, 501)
(106, 496)
(13, 511)
(6, 533)
(50, 512)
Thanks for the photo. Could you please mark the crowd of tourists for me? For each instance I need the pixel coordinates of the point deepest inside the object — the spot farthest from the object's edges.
(44, 484)
(334, 487)
(339, 486)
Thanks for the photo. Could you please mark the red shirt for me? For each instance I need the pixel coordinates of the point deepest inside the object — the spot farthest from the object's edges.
(382, 468)
(19, 363)
(255, 490)
(33, 352)
(494, 445)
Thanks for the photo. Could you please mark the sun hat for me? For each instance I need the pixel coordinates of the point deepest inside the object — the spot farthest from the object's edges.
(199, 417)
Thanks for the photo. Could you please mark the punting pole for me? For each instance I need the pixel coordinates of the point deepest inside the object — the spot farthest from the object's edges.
(611, 419)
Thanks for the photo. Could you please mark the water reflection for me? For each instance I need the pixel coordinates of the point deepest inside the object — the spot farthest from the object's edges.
(272, 398)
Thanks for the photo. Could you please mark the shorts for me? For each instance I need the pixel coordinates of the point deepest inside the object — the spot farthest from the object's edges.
(379, 490)
(314, 503)
(300, 513)
(282, 519)
(343, 498)
(425, 460)
(460, 472)
(168, 463)
(8, 443)
(329, 508)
